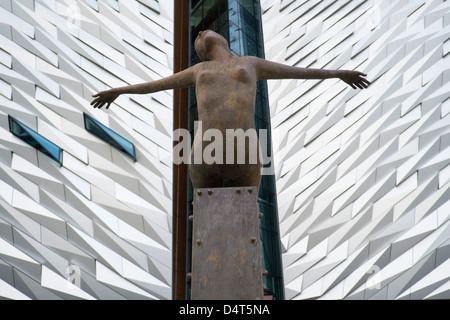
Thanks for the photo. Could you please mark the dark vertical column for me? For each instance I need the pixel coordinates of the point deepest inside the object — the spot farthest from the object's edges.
(239, 21)
(180, 172)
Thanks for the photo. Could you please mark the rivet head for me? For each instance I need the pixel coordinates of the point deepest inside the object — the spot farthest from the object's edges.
(191, 217)
(198, 242)
(250, 190)
(253, 239)
(210, 192)
(199, 193)
(260, 215)
(238, 190)
(265, 272)
(189, 275)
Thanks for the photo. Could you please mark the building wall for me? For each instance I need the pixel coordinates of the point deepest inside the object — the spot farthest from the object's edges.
(363, 176)
(99, 225)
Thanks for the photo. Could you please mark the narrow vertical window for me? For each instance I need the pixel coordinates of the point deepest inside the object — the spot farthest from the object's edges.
(239, 22)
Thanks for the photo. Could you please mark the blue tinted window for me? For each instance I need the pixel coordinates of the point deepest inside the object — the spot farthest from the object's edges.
(109, 136)
(35, 139)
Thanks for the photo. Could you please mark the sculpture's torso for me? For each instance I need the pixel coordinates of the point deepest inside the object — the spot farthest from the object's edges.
(226, 92)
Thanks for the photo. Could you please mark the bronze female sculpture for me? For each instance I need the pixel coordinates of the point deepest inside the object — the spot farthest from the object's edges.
(226, 92)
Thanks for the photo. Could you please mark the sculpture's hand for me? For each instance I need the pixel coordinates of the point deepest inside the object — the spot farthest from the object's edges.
(104, 97)
(354, 79)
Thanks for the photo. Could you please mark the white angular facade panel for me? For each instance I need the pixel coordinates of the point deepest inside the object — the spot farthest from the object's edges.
(98, 226)
(362, 175)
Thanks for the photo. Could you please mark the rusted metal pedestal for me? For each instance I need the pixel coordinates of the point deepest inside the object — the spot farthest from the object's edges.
(226, 253)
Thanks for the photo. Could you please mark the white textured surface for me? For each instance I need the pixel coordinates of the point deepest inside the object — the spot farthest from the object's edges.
(362, 176)
(99, 214)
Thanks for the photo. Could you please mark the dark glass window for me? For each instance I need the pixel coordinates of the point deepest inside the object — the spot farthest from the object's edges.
(109, 136)
(34, 139)
(239, 21)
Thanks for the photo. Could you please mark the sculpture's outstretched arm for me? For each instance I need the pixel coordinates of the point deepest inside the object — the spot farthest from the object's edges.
(271, 70)
(182, 79)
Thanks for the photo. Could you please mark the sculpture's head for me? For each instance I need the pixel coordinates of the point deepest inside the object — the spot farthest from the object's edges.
(206, 40)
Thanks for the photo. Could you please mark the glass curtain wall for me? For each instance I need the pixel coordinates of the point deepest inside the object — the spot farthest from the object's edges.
(239, 21)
